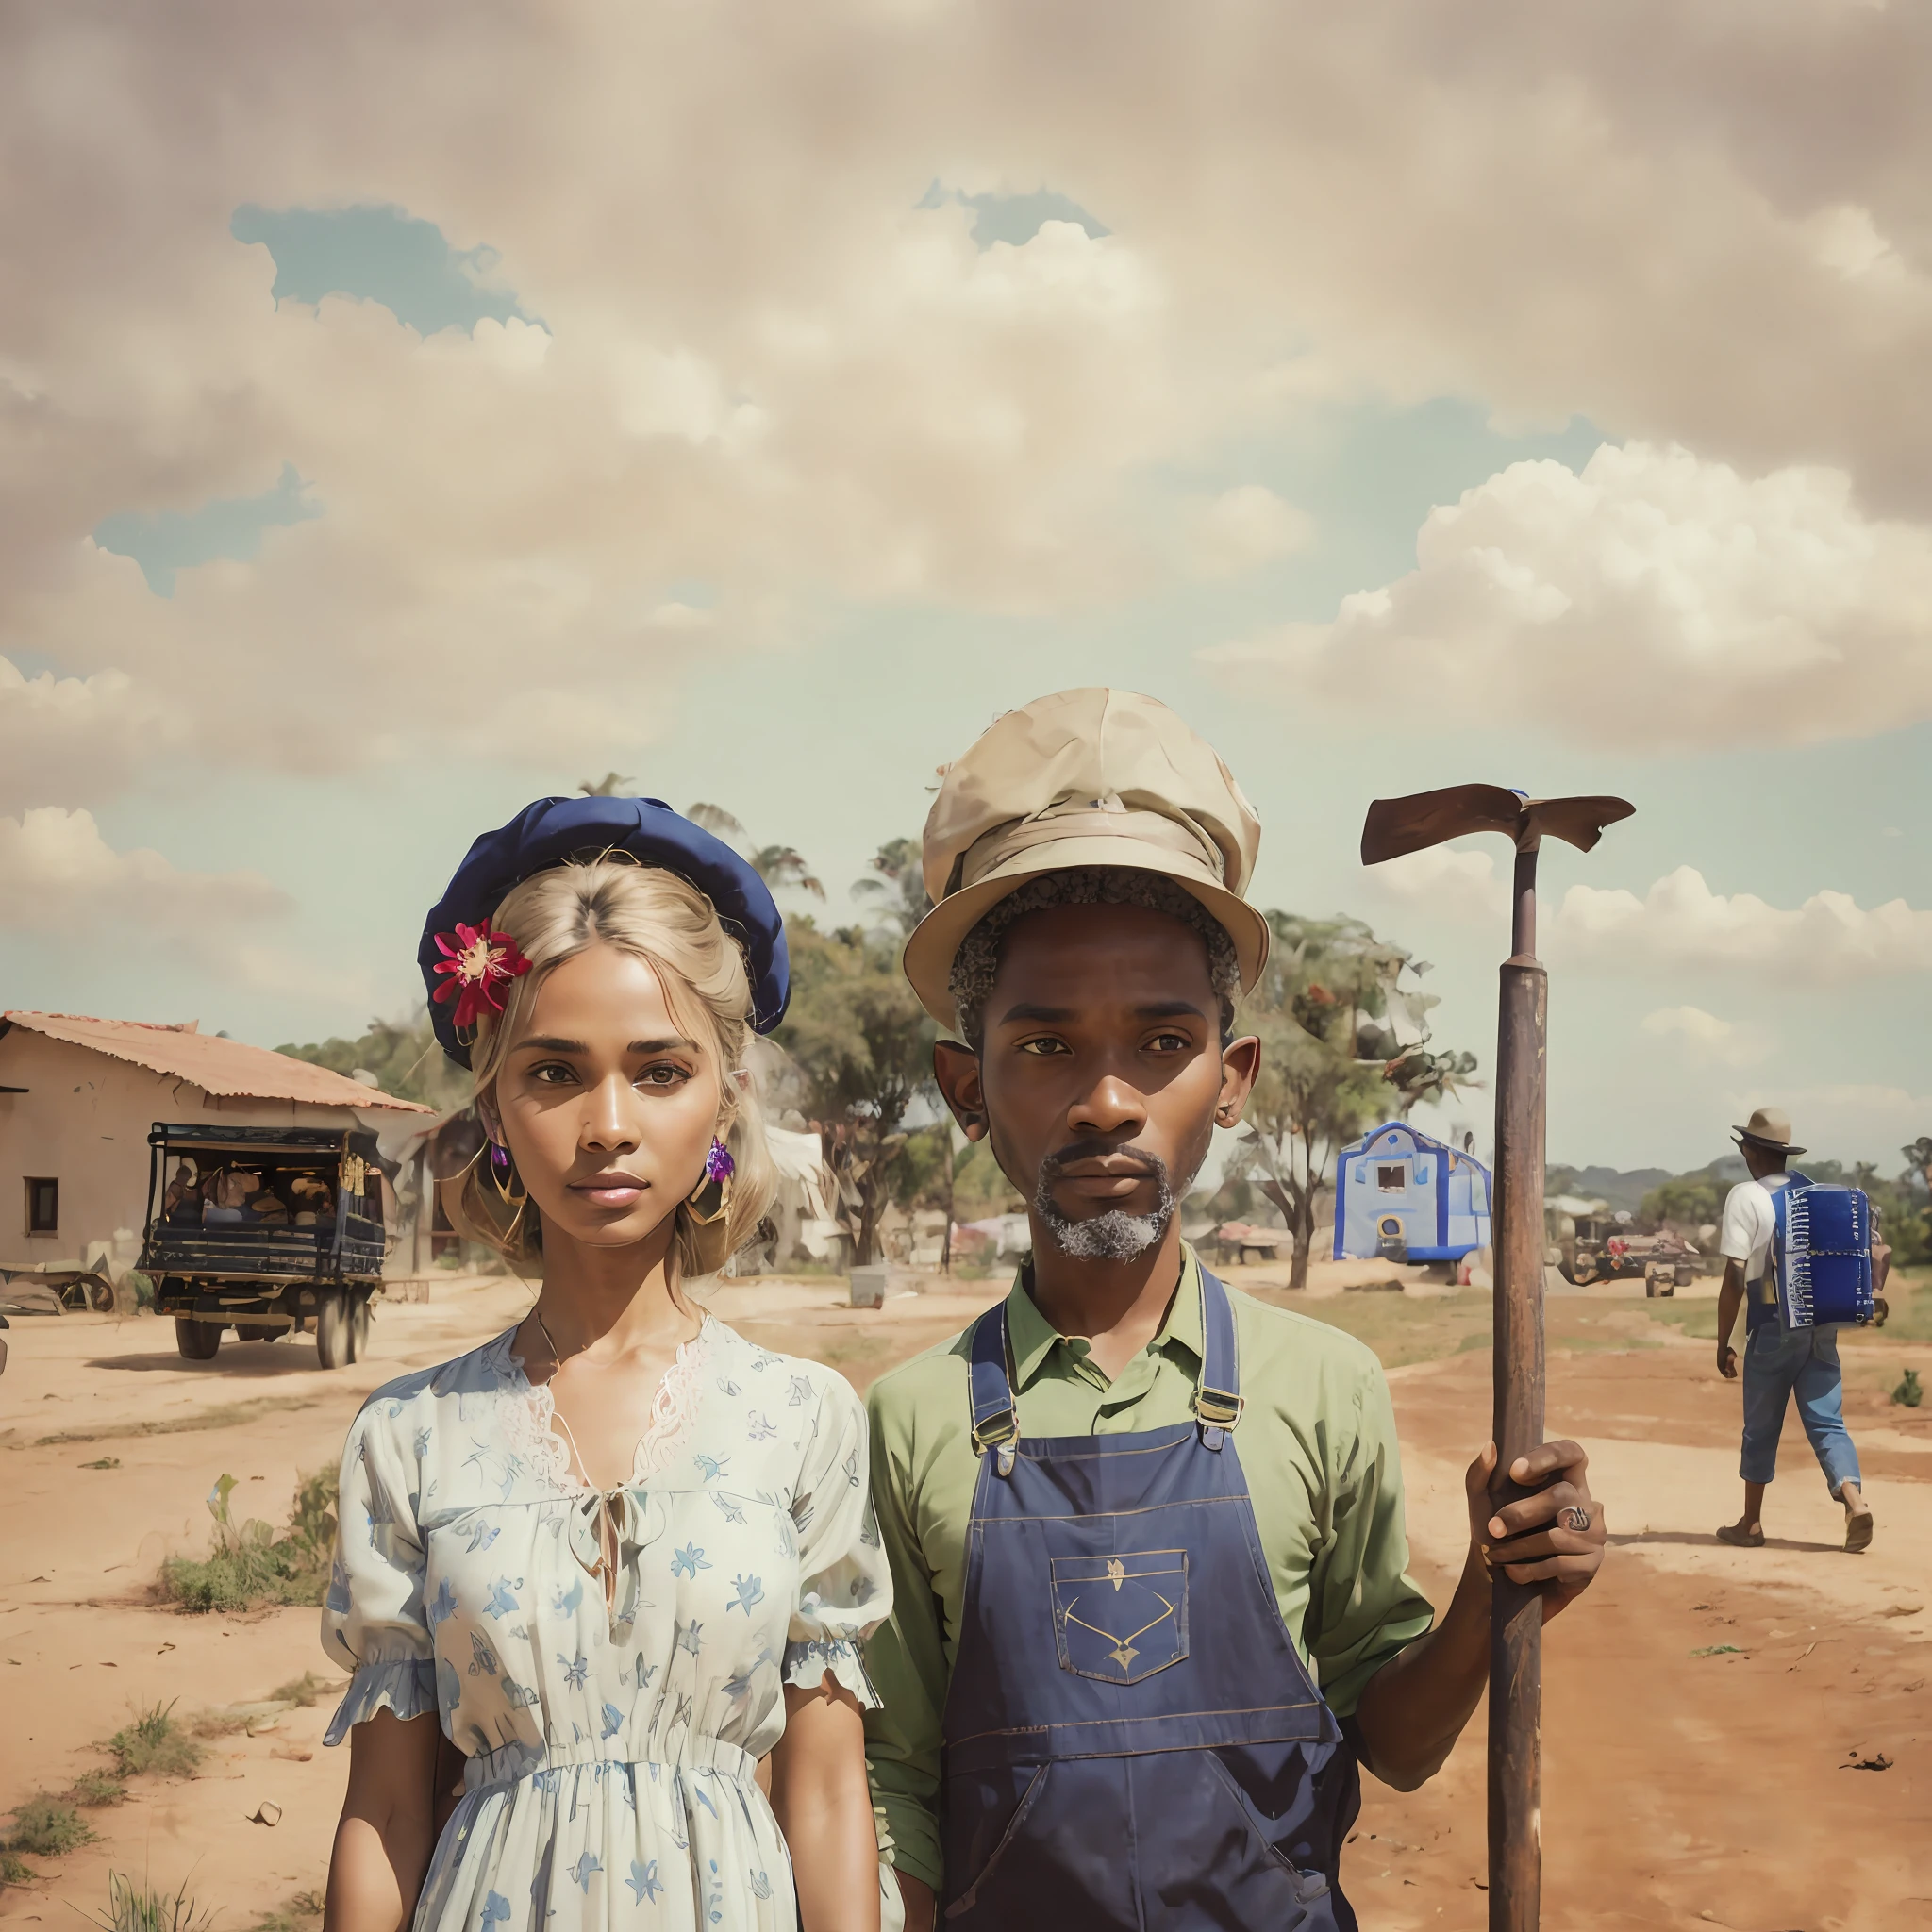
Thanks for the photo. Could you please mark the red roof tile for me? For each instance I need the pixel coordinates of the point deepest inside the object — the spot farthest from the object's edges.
(228, 1067)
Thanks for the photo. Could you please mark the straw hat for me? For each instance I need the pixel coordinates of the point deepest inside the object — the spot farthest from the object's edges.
(1091, 777)
(1768, 1128)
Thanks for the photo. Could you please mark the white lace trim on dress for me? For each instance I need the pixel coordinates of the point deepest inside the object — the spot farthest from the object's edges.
(530, 1423)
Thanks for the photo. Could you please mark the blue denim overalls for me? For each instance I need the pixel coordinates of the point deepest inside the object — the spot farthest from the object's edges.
(1131, 1739)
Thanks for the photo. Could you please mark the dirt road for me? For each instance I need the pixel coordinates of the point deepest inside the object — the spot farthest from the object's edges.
(1702, 1705)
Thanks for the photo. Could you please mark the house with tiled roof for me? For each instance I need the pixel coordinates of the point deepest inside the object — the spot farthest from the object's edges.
(78, 1096)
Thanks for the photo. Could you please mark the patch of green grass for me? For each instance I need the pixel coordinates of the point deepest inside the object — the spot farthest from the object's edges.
(249, 1565)
(1908, 1298)
(97, 1788)
(144, 1907)
(1696, 1319)
(155, 1744)
(15, 1870)
(306, 1689)
(103, 1462)
(1400, 1328)
(229, 1415)
(44, 1827)
(1718, 1650)
(294, 1915)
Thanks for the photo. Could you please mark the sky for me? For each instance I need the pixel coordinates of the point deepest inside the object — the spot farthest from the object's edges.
(405, 413)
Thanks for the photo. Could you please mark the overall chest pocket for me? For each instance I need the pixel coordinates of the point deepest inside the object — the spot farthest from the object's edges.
(1120, 1618)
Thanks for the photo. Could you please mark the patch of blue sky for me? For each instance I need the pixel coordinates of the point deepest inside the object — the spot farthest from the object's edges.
(696, 594)
(1368, 474)
(167, 541)
(1014, 218)
(381, 254)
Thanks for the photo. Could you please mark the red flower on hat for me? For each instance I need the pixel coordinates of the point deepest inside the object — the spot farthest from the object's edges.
(477, 961)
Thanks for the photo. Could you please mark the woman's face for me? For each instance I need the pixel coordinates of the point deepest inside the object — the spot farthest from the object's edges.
(607, 1105)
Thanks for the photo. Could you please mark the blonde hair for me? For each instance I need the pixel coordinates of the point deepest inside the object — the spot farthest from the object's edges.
(656, 917)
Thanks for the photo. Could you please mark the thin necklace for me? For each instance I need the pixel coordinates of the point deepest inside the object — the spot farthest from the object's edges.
(556, 1359)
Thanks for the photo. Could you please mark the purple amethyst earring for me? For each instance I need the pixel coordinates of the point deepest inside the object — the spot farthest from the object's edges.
(504, 1176)
(709, 1200)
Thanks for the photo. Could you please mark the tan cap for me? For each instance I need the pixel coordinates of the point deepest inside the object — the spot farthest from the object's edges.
(1084, 778)
(1770, 1126)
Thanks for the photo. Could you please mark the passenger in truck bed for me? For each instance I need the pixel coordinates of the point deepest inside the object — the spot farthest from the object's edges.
(181, 1204)
(312, 1199)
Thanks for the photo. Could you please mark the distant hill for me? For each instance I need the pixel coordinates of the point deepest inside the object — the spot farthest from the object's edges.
(1620, 1188)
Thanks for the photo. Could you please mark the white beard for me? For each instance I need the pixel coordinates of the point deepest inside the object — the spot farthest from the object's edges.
(1115, 1236)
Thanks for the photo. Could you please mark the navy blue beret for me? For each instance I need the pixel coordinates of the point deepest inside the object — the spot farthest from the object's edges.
(554, 830)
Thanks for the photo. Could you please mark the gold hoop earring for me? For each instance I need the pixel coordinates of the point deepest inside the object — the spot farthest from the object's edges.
(711, 1197)
(504, 1176)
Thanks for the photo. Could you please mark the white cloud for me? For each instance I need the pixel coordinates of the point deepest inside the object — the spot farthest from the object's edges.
(1241, 527)
(59, 877)
(1705, 1039)
(1845, 1120)
(1653, 592)
(1679, 925)
(66, 739)
(760, 365)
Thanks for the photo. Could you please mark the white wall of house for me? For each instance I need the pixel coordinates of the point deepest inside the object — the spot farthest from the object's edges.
(84, 1121)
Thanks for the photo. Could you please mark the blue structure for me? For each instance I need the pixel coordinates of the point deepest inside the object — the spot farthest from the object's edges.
(1396, 1188)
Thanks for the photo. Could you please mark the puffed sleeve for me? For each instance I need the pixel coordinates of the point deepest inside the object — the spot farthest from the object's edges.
(372, 1619)
(845, 1585)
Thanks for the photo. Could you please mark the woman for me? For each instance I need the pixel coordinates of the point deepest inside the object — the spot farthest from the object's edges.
(619, 1554)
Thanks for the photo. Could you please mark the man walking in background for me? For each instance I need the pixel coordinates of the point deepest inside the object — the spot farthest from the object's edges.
(1779, 1362)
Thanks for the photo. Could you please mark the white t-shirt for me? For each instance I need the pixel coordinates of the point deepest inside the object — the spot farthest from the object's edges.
(1749, 1224)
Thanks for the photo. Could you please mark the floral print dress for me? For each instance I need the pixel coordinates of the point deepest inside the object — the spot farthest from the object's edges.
(612, 1748)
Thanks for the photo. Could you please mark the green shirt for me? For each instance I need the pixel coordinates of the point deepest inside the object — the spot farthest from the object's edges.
(1317, 1443)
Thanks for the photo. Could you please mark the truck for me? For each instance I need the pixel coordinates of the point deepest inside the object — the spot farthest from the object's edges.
(264, 1230)
(1600, 1248)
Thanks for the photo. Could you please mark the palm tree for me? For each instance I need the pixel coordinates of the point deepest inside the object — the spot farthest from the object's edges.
(777, 865)
(897, 892)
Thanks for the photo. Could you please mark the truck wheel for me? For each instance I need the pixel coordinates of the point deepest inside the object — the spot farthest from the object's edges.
(358, 1329)
(197, 1340)
(256, 1331)
(332, 1344)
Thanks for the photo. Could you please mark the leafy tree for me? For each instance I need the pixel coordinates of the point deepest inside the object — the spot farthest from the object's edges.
(406, 1060)
(864, 1045)
(1685, 1203)
(896, 891)
(777, 865)
(1918, 1157)
(1331, 1011)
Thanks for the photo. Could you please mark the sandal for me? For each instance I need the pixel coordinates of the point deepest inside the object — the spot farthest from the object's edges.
(1858, 1531)
(1743, 1539)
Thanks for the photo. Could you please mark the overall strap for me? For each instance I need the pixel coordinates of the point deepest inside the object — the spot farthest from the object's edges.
(1218, 1401)
(995, 1417)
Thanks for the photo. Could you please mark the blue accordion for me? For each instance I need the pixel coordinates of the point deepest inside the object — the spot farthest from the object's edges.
(1821, 1253)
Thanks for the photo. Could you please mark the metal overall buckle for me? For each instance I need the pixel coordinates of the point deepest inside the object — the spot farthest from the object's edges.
(1001, 1434)
(1218, 1410)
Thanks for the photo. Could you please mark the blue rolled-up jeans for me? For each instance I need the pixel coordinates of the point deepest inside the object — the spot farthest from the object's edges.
(1779, 1364)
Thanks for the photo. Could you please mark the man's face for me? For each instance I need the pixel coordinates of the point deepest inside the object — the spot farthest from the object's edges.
(1101, 1074)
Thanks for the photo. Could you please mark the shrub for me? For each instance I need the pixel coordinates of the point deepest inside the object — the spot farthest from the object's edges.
(141, 1908)
(1908, 1394)
(15, 1870)
(155, 1744)
(306, 1689)
(46, 1827)
(97, 1787)
(249, 1565)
